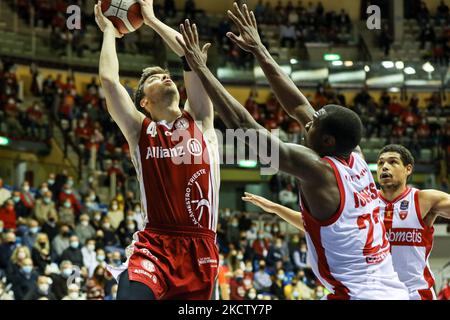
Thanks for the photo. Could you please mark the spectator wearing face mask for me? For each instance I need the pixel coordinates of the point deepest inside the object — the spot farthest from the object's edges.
(319, 292)
(68, 200)
(84, 230)
(260, 246)
(5, 194)
(27, 197)
(115, 214)
(262, 281)
(275, 253)
(277, 287)
(96, 221)
(49, 227)
(73, 252)
(41, 290)
(73, 292)
(251, 294)
(44, 206)
(24, 280)
(126, 229)
(15, 263)
(20, 209)
(299, 257)
(61, 242)
(7, 248)
(52, 186)
(138, 217)
(67, 213)
(29, 238)
(233, 233)
(59, 285)
(109, 236)
(89, 256)
(237, 289)
(60, 181)
(8, 215)
(252, 233)
(40, 253)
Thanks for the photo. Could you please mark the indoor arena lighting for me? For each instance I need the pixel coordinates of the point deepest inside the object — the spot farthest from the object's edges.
(337, 63)
(4, 141)
(387, 64)
(410, 70)
(399, 65)
(373, 167)
(366, 68)
(427, 67)
(348, 63)
(247, 163)
(294, 61)
(331, 57)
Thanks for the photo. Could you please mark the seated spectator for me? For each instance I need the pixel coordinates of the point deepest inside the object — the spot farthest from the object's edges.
(73, 293)
(41, 290)
(24, 280)
(84, 230)
(7, 248)
(260, 246)
(115, 214)
(237, 289)
(275, 254)
(21, 209)
(44, 206)
(29, 238)
(73, 252)
(89, 256)
(126, 229)
(8, 215)
(60, 242)
(277, 287)
(113, 295)
(299, 257)
(49, 227)
(16, 261)
(40, 253)
(288, 198)
(262, 281)
(288, 35)
(59, 280)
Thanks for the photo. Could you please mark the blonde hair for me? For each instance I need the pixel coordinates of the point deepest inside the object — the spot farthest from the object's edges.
(15, 259)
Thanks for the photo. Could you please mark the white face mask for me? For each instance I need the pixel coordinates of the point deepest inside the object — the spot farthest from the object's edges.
(21, 255)
(91, 247)
(26, 188)
(115, 207)
(85, 223)
(43, 287)
(73, 295)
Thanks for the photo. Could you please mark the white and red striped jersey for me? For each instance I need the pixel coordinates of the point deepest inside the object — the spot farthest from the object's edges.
(178, 170)
(411, 243)
(349, 253)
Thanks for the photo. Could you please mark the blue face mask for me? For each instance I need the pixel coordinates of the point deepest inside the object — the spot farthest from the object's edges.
(74, 244)
(67, 272)
(16, 199)
(34, 230)
(27, 269)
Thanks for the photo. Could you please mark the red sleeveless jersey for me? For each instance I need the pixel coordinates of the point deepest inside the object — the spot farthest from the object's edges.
(177, 167)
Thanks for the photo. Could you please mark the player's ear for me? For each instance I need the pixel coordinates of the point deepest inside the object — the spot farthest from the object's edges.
(409, 169)
(143, 102)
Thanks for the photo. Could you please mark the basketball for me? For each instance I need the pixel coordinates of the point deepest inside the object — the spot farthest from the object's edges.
(124, 14)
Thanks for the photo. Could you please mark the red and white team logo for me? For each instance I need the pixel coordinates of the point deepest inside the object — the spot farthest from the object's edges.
(403, 214)
(194, 147)
(182, 124)
(148, 265)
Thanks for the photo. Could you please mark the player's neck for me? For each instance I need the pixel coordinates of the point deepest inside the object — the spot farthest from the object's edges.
(168, 114)
(390, 193)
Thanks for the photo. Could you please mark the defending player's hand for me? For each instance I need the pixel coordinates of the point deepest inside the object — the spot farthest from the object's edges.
(259, 201)
(245, 21)
(195, 56)
(147, 11)
(103, 22)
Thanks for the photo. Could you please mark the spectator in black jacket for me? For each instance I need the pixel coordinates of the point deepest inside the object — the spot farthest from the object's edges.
(24, 280)
(50, 227)
(7, 247)
(73, 253)
(40, 253)
(59, 285)
(41, 290)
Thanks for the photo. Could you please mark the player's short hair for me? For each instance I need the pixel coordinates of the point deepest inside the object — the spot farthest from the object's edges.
(146, 73)
(344, 125)
(405, 155)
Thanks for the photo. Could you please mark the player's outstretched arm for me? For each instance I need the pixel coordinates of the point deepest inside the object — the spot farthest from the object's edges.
(118, 101)
(290, 97)
(297, 160)
(436, 202)
(198, 105)
(287, 214)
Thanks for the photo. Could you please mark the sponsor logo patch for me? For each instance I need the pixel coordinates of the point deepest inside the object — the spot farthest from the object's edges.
(404, 205)
(403, 214)
(148, 265)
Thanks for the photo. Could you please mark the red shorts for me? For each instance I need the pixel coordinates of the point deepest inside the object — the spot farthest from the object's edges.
(176, 263)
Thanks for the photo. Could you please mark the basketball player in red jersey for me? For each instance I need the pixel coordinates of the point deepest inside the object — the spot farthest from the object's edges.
(409, 215)
(175, 154)
(347, 241)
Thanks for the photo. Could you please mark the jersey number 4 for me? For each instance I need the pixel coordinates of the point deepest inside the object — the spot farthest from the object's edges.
(151, 129)
(371, 221)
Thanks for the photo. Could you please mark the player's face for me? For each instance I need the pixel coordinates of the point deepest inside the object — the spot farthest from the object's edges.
(313, 136)
(391, 172)
(159, 87)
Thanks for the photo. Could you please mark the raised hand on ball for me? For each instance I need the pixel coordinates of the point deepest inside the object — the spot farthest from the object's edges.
(103, 22)
(147, 11)
(195, 56)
